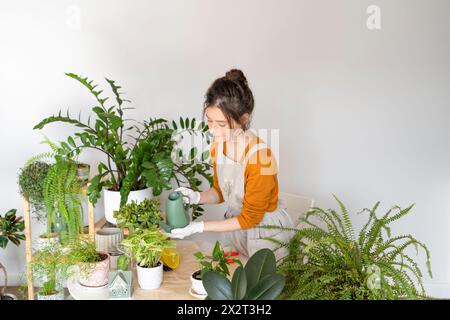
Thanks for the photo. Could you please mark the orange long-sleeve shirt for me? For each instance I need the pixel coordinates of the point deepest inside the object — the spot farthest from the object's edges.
(260, 186)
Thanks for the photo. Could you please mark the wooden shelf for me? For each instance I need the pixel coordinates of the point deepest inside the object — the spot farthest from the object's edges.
(93, 227)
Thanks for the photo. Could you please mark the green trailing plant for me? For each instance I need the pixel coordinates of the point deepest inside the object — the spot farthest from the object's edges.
(11, 229)
(145, 161)
(31, 186)
(146, 246)
(62, 198)
(49, 267)
(258, 280)
(330, 262)
(135, 216)
(218, 262)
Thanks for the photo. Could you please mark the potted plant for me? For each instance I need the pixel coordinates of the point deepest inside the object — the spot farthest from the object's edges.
(11, 229)
(93, 266)
(146, 246)
(218, 263)
(135, 216)
(31, 186)
(258, 280)
(138, 169)
(63, 200)
(330, 262)
(48, 239)
(49, 268)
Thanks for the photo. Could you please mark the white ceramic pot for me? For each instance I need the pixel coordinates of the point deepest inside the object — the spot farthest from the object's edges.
(150, 278)
(46, 239)
(112, 201)
(95, 274)
(57, 296)
(197, 285)
(107, 239)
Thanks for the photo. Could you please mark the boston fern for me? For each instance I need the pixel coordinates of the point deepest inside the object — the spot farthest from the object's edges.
(62, 198)
(329, 262)
(145, 161)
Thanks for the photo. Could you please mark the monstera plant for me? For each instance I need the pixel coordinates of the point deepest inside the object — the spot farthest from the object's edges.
(258, 280)
(138, 154)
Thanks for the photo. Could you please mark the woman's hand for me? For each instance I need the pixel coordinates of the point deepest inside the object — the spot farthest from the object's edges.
(190, 229)
(189, 196)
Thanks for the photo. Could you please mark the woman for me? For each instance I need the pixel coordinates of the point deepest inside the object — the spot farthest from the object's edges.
(245, 172)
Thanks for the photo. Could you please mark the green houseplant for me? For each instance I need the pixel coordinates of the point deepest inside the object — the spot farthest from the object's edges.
(218, 263)
(331, 263)
(31, 186)
(49, 268)
(146, 162)
(134, 216)
(258, 280)
(11, 229)
(63, 200)
(146, 247)
(93, 266)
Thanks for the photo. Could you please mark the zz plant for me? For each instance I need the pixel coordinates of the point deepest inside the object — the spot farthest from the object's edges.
(146, 160)
(258, 280)
(330, 262)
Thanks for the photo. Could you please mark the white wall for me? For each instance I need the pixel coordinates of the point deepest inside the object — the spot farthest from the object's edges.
(362, 114)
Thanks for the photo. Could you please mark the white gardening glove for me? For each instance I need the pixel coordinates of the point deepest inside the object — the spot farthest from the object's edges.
(190, 229)
(189, 196)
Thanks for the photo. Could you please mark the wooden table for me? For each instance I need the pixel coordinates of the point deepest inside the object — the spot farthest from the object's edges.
(176, 283)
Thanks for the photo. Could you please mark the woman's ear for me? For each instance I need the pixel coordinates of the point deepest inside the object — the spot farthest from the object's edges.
(245, 119)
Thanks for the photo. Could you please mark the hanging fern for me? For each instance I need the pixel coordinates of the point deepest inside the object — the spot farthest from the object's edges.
(329, 263)
(62, 197)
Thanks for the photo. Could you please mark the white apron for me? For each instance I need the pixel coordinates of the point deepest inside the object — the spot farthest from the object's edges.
(231, 177)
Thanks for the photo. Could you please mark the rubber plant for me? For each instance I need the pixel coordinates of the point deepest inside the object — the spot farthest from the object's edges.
(327, 261)
(258, 280)
(146, 160)
(11, 229)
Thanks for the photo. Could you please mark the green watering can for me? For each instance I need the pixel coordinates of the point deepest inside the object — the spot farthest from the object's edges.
(176, 214)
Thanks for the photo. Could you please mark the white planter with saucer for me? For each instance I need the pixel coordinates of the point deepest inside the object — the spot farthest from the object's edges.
(150, 278)
(197, 288)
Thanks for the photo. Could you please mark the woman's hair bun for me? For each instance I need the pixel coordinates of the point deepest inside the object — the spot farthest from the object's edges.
(236, 75)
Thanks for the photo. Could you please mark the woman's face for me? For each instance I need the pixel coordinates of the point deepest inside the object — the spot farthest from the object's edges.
(218, 125)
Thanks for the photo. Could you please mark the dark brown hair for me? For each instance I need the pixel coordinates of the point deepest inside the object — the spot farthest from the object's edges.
(232, 95)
